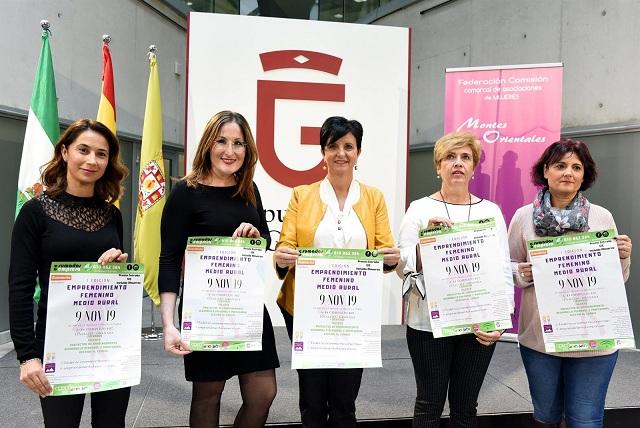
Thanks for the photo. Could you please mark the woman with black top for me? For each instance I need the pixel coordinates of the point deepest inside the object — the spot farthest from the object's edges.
(74, 219)
(218, 198)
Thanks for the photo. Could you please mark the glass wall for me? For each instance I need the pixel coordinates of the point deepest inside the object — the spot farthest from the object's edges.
(323, 10)
(11, 137)
(616, 157)
(422, 174)
(217, 6)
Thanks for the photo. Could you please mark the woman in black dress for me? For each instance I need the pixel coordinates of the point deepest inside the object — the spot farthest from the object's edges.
(218, 198)
(74, 219)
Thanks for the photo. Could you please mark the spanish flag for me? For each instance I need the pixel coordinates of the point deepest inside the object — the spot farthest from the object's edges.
(151, 186)
(107, 107)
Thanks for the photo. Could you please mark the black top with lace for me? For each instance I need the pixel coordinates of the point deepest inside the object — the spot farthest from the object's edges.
(52, 228)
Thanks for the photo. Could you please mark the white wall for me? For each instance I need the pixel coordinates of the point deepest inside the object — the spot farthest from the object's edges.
(597, 40)
(599, 43)
(76, 45)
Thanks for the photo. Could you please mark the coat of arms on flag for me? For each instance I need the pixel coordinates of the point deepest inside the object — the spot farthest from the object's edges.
(152, 186)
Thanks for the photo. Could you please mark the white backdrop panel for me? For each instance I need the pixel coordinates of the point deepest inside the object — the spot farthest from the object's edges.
(224, 67)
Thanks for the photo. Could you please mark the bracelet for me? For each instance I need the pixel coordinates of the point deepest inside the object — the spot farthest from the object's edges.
(25, 362)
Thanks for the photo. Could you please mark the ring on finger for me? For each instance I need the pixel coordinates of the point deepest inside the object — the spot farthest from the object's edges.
(522, 274)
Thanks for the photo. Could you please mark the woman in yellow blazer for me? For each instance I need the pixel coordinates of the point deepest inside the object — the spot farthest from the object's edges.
(337, 212)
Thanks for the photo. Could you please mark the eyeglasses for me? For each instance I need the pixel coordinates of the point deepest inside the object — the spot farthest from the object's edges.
(236, 146)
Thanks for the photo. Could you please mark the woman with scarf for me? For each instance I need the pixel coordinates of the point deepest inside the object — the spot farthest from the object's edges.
(573, 384)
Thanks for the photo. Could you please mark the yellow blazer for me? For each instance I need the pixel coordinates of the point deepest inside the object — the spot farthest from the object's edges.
(303, 216)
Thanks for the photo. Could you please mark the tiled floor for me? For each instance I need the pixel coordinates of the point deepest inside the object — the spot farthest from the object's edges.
(162, 399)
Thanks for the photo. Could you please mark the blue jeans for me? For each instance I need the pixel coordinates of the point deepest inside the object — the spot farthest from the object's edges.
(575, 387)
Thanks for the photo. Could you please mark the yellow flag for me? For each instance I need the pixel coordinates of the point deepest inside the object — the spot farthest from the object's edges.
(151, 187)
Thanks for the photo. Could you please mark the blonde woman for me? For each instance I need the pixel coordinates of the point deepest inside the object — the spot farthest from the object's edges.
(456, 365)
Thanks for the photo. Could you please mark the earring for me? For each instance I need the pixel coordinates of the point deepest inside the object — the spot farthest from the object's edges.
(324, 166)
(473, 176)
(438, 176)
(355, 167)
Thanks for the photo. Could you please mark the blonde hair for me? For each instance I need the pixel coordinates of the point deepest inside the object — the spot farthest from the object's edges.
(453, 141)
(202, 167)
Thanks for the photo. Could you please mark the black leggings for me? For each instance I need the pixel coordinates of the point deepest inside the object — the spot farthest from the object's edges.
(327, 396)
(108, 409)
(457, 363)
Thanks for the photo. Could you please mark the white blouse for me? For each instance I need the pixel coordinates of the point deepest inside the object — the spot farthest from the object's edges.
(340, 228)
(416, 218)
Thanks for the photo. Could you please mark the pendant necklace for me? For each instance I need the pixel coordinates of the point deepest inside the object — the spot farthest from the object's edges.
(447, 208)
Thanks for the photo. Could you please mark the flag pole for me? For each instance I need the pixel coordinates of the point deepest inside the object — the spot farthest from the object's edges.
(42, 131)
(152, 334)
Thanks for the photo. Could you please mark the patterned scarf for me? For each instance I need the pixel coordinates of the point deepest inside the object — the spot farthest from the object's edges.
(549, 221)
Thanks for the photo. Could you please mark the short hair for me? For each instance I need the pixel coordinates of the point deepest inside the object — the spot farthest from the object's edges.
(337, 127)
(555, 152)
(108, 187)
(202, 167)
(453, 141)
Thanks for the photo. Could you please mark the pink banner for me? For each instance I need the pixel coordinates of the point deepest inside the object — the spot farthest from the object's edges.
(515, 111)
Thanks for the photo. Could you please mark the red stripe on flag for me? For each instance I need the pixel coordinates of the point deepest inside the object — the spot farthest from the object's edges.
(107, 77)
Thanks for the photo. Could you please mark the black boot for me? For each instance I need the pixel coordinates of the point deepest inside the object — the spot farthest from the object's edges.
(537, 424)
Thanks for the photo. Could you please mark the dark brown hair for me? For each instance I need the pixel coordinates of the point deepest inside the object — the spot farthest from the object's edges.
(202, 167)
(336, 127)
(108, 187)
(555, 152)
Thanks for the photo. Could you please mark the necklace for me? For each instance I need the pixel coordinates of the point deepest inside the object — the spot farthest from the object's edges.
(447, 208)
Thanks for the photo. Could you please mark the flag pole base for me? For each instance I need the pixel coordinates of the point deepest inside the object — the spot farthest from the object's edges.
(152, 333)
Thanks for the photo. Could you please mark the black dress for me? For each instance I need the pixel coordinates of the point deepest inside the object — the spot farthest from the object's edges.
(61, 228)
(211, 211)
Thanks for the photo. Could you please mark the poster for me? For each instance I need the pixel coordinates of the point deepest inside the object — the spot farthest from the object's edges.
(465, 283)
(94, 313)
(338, 303)
(580, 292)
(223, 299)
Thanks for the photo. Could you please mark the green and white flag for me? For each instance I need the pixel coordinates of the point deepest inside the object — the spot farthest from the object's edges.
(43, 128)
